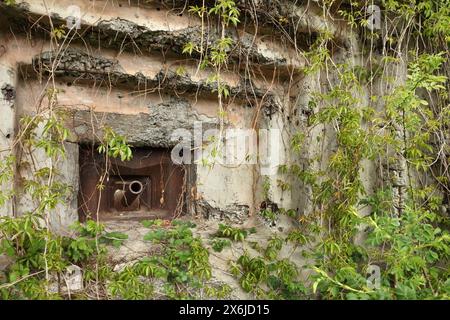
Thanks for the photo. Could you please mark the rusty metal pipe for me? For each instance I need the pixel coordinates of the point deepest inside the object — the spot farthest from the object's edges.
(136, 187)
(131, 191)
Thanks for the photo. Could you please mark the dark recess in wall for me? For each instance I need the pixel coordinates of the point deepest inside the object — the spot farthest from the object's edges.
(148, 186)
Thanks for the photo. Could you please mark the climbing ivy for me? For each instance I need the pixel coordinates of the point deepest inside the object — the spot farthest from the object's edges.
(403, 129)
(404, 234)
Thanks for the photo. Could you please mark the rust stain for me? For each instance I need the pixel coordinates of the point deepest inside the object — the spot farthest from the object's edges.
(132, 189)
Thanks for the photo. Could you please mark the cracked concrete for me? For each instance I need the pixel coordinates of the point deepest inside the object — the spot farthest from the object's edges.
(232, 213)
(128, 72)
(152, 129)
(125, 74)
(137, 33)
(8, 92)
(77, 64)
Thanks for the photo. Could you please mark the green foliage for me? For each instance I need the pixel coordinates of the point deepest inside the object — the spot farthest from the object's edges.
(406, 107)
(409, 247)
(272, 214)
(227, 10)
(266, 187)
(115, 146)
(235, 234)
(410, 244)
(37, 252)
(46, 134)
(115, 239)
(254, 271)
(183, 261)
(128, 285)
(269, 215)
(219, 292)
(154, 222)
(273, 248)
(318, 54)
(275, 279)
(218, 55)
(298, 237)
(189, 48)
(408, 241)
(10, 2)
(219, 244)
(51, 138)
(59, 33)
(6, 175)
(199, 10)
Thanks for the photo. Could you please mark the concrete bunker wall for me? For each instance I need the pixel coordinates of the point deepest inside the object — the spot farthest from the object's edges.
(128, 72)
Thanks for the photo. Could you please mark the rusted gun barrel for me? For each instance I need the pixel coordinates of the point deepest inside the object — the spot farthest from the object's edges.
(126, 196)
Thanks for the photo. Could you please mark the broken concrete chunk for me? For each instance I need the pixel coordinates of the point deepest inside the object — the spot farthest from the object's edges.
(235, 213)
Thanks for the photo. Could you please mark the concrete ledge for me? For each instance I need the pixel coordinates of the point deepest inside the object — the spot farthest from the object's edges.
(129, 28)
(79, 65)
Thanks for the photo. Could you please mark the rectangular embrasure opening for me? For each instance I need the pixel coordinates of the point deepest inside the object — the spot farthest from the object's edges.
(148, 186)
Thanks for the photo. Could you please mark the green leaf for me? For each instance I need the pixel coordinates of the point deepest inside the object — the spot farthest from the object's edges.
(405, 292)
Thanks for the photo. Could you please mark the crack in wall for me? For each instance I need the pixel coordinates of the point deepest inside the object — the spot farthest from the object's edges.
(77, 64)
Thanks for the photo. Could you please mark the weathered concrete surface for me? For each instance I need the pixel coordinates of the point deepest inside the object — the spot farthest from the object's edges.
(135, 248)
(155, 128)
(7, 127)
(82, 66)
(65, 173)
(292, 17)
(129, 73)
(66, 212)
(230, 214)
(151, 29)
